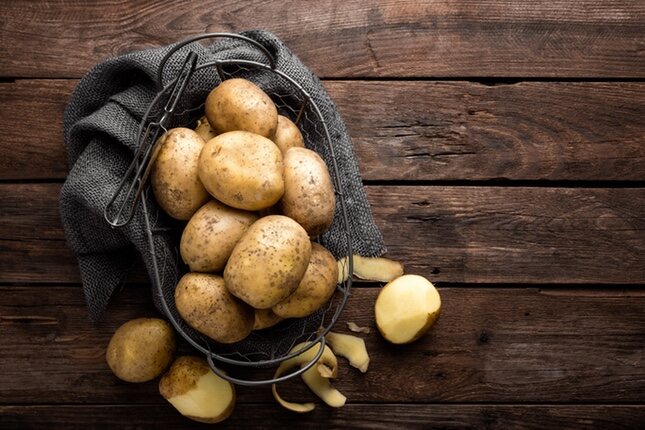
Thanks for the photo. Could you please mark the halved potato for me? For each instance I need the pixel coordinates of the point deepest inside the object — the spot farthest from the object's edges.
(406, 308)
(196, 391)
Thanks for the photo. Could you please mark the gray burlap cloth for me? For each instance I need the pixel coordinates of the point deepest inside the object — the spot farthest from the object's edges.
(101, 132)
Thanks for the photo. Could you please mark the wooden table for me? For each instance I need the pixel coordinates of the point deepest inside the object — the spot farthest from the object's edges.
(502, 145)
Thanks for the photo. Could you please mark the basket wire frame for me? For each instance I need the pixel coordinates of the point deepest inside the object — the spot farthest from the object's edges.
(296, 104)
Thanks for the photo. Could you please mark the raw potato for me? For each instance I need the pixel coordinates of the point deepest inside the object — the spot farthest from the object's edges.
(204, 129)
(350, 347)
(315, 288)
(141, 349)
(196, 391)
(211, 234)
(315, 377)
(238, 104)
(406, 308)
(174, 177)
(265, 318)
(242, 170)
(206, 305)
(287, 135)
(308, 191)
(268, 262)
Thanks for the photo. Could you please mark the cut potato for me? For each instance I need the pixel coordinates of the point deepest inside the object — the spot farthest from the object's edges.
(196, 391)
(406, 308)
(350, 347)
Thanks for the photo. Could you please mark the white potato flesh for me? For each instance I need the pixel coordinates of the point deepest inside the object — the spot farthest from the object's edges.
(406, 308)
(208, 400)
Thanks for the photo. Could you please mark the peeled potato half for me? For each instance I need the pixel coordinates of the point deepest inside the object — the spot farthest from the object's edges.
(406, 308)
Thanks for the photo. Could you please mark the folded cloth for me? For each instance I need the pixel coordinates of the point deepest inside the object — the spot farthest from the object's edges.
(101, 127)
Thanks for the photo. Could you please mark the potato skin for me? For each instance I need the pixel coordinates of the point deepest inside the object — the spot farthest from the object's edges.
(238, 104)
(287, 135)
(183, 376)
(269, 261)
(210, 235)
(309, 195)
(204, 129)
(174, 177)
(207, 306)
(141, 349)
(315, 288)
(242, 170)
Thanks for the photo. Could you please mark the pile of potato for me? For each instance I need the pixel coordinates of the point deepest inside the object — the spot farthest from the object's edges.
(254, 198)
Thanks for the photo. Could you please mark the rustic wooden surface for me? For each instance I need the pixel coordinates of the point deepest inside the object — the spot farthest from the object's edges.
(502, 144)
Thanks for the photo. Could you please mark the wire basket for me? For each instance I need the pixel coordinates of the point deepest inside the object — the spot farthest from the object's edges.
(174, 106)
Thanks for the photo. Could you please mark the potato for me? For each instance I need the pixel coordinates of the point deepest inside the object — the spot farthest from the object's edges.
(196, 391)
(406, 308)
(243, 170)
(309, 195)
(206, 305)
(204, 129)
(238, 104)
(265, 318)
(268, 262)
(210, 235)
(287, 135)
(315, 288)
(141, 349)
(174, 178)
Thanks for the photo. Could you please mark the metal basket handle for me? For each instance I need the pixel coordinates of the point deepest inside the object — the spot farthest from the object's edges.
(147, 149)
(183, 43)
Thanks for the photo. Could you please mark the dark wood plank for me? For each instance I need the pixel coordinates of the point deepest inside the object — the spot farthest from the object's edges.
(412, 130)
(502, 345)
(355, 416)
(449, 234)
(588, 38)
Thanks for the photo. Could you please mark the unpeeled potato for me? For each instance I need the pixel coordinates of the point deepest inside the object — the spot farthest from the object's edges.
(204, 129)
(308, 190)
(174, 176)
(315, 288)
(268, 262)
(238, 104)
(287, 135)
(141, 349)
(206, 305)
(242, 170)
(211, 234)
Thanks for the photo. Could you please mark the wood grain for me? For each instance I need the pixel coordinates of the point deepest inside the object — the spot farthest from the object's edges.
(412, 130)
(585, 38)
(449, 234)
(352, 416)
(489, 345)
